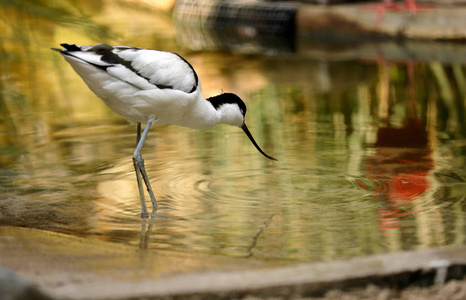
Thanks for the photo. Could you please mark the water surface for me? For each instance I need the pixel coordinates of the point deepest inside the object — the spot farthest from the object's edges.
(371, 151)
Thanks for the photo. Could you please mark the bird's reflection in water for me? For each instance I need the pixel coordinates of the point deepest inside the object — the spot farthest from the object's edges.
(146, 228)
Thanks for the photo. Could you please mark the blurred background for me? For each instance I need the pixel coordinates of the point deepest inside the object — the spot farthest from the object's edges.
(368, 130)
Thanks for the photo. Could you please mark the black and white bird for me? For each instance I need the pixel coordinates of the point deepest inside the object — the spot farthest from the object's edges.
(152, 87)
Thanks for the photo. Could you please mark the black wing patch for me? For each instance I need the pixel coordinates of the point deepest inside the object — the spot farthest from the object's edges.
(111, 58)
(71, 47)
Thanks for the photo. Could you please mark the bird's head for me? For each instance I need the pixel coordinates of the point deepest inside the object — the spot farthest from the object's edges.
(232, 111)
(230, 108)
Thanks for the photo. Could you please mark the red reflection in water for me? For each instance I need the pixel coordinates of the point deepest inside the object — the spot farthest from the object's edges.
(386, 5)
(399, 170)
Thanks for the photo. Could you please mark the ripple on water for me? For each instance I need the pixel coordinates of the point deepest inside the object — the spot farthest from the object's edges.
(305, 214)
(232, 212)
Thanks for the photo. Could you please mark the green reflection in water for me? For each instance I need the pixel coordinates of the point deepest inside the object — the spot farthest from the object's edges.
(371, 156)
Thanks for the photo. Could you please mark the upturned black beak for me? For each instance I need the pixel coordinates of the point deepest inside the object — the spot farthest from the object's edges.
(246, 130)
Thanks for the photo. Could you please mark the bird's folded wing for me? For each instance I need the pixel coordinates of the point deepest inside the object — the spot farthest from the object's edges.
(142, 68)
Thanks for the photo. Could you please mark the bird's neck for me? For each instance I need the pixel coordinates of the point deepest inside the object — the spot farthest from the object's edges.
(201, 115)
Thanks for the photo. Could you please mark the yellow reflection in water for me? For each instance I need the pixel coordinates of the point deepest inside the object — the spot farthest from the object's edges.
(66, 158)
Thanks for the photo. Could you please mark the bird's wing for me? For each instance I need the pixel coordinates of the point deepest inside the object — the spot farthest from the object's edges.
(143, 68)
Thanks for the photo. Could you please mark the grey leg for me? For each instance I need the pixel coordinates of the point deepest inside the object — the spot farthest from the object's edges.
(144, 213)
(138, 137)
(141, 174)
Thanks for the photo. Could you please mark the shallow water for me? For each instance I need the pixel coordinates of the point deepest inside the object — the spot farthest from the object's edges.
(371, 153)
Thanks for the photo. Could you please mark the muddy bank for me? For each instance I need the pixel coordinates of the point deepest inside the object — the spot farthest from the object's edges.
(67, 267)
